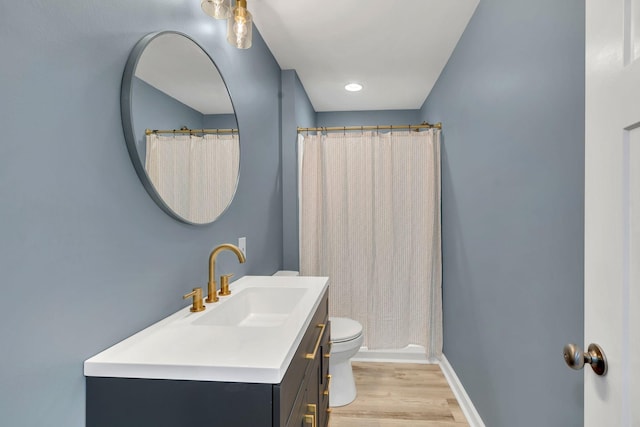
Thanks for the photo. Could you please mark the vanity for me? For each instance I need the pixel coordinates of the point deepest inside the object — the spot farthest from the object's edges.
(256, 358)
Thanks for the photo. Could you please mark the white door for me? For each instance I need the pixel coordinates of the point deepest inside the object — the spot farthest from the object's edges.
(612, 210)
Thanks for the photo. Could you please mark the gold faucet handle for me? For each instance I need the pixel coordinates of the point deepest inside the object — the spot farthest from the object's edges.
(224, 285)
(197, 304)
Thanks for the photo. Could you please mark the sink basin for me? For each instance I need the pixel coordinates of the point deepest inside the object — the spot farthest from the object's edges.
(250, 336)
(255, 307)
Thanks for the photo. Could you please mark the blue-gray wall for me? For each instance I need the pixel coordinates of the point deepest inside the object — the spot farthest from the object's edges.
(511, 100)
(369, 118)
(220, 121)
(296, 111)
(86, 257)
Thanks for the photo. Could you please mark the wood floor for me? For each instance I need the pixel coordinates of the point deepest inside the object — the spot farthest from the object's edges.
(399, 395)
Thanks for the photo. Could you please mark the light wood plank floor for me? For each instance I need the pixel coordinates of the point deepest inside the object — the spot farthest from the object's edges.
(399, 395)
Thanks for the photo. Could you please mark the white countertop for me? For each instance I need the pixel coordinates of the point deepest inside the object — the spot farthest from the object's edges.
(175, 348)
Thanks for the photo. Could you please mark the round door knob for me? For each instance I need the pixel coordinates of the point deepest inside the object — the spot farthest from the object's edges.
(575, 358)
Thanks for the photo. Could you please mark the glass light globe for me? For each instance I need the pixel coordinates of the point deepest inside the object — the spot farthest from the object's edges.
(240, 26)
(218, 9)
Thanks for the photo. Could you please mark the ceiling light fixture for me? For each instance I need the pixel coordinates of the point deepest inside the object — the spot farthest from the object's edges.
(218, 9)
(239, 22)
(353, 87)
(239, 26)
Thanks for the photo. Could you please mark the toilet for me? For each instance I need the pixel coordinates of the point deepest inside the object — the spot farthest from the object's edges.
(346, 339)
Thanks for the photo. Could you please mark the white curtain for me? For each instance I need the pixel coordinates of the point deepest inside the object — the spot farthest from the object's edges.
(370, 220)
(195, 176)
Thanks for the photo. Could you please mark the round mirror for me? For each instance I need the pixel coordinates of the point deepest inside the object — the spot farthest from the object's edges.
(180, 127)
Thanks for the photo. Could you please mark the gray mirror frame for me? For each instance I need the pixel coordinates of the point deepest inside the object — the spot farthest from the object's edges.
(126, 111)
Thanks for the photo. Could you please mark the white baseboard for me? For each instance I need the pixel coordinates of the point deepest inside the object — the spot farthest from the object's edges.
(410, 354)
(473, 418)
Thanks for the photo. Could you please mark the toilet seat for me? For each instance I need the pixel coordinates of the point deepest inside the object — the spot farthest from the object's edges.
(343, 329)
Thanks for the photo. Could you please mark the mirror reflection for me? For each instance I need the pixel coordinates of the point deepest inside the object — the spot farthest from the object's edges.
(181, 127)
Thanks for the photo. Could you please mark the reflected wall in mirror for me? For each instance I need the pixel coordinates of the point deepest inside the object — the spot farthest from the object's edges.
(180, 127)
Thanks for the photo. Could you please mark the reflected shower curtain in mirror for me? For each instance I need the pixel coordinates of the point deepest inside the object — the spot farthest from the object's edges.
(195, 175)
(370, 220)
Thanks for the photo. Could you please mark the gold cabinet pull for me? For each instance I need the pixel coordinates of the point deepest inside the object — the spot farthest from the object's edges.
(326, 392)
(315, 349)
(311, 419)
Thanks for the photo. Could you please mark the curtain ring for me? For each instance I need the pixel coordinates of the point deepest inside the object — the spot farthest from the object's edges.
(344, 131)
(362, 129)
(391, 129)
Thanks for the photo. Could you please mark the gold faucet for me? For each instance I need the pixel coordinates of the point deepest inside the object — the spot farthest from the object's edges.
(211, 286)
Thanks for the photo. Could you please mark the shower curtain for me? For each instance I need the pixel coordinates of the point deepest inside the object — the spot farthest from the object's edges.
(195, 175)
(370, 220)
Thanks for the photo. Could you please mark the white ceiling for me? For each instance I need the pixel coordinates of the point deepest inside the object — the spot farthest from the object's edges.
(395, 49)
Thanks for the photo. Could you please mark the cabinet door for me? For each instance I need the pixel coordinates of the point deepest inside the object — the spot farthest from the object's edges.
(317, 392)
(324, 379)
(287, 394)
(134, 402)
(310, 409)
(300, 410)
(305, 410)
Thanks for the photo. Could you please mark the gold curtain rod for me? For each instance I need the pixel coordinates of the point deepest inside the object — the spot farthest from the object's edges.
(423, 125)
(189, 131)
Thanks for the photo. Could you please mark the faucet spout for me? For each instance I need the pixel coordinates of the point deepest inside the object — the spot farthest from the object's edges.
(211, 285)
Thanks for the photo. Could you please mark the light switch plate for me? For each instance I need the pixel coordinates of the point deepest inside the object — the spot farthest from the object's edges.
(242, 244)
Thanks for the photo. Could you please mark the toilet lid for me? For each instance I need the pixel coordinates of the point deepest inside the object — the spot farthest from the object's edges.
(343, 329)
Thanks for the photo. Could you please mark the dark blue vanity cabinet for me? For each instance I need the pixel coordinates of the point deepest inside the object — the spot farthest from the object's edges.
(301, 399)
(311, 404)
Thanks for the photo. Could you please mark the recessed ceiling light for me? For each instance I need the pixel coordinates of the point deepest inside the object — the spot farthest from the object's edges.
(353, 87)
